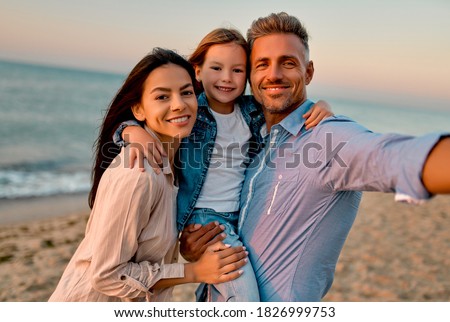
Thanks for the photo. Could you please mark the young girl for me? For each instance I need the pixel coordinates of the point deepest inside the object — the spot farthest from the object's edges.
(212, 161)
(130, 248)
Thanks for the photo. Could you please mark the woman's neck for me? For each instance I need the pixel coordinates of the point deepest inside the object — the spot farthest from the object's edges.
(170, 146)
(171, 149)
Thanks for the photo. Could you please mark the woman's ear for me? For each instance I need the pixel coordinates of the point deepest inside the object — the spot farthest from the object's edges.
(138, 112)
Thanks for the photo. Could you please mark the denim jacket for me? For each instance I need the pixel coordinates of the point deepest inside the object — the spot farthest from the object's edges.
(195, 152)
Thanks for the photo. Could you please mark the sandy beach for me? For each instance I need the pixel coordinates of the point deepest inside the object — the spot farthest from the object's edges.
(395, 252)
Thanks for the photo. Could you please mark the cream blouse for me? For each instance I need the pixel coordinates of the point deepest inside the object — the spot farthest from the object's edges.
(130, 241)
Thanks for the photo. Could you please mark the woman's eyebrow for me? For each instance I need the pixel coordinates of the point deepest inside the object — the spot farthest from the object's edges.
(165, 89)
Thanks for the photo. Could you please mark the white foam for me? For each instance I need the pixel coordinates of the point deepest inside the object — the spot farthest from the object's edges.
(22, 184)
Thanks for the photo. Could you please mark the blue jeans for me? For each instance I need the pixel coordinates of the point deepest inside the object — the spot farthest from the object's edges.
(245, 287)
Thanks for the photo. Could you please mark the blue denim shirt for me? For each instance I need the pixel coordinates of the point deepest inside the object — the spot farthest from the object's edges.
(195, 152)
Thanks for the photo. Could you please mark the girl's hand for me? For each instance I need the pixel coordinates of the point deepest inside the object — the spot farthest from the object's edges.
(219, 263)
(317, 113)
(143, 145)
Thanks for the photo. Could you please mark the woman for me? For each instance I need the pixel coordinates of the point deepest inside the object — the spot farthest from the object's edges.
(130, 248)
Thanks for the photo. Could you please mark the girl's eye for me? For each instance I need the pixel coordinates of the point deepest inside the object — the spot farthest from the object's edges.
(237, 70)
(187, 93)
(161, 97)
(215, 68)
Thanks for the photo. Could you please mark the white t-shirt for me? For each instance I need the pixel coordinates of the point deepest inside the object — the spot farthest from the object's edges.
(223, 183)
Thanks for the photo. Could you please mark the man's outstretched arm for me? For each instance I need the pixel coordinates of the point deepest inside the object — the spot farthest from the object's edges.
(436, 170)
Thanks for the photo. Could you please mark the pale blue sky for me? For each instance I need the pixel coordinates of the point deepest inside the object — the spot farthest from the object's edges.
(379, 50)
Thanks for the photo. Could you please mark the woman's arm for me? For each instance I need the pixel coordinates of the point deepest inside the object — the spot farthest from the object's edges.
(219, 263)
(124, 202)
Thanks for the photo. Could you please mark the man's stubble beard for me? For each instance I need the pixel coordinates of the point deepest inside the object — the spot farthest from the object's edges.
(281, 108)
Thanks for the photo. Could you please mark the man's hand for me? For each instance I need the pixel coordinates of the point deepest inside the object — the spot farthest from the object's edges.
(195, 238)
(436, 171)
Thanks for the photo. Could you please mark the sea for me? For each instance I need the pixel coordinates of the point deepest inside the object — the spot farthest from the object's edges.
(50, 118)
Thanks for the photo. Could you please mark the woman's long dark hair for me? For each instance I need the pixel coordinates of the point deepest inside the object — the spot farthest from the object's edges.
(120, 109)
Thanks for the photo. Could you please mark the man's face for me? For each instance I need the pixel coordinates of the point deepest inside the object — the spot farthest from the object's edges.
(279, 73)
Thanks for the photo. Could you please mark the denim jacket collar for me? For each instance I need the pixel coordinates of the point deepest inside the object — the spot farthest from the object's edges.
(250, 104)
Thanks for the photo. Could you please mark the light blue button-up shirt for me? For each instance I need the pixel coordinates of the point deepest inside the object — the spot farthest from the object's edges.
(302, 193)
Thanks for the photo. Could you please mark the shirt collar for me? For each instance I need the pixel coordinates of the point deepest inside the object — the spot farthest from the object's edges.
(248, 101)
(201, 99)
(294, 122)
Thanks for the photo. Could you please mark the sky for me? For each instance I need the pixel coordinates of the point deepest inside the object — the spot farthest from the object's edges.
(382, 50)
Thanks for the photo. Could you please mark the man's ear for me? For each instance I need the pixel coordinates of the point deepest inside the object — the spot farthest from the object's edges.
(138, 112)
(309, 72)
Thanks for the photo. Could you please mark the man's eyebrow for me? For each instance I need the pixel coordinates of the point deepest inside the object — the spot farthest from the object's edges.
(288, 57)
(261, 58)
(283, 57)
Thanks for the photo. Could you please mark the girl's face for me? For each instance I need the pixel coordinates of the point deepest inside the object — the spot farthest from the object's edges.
(223, 74)
(168, 103)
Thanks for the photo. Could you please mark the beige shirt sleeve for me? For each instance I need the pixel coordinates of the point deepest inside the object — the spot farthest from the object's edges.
(127, 201)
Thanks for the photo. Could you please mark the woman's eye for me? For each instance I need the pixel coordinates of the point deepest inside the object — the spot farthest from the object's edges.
(161, 97)
(187, 93)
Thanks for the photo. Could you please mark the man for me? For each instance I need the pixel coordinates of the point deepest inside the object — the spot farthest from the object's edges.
(302, 191)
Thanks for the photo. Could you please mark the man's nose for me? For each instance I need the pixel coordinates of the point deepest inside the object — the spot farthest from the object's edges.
(274, 72)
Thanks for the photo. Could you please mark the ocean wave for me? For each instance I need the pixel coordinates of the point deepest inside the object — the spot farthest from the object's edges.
(23, 184)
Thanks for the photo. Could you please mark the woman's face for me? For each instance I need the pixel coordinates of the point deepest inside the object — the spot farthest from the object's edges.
(168, 104)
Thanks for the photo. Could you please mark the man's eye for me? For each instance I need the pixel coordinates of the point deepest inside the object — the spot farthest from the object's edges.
(289, 64)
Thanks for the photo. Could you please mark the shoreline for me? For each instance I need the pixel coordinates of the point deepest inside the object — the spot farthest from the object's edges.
(25, 210)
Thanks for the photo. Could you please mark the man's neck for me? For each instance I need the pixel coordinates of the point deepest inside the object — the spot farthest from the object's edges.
(275, 118)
